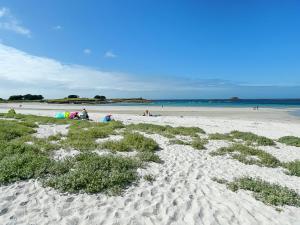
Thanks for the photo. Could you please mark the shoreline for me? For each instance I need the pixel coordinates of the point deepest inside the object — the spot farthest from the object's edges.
(233, 113)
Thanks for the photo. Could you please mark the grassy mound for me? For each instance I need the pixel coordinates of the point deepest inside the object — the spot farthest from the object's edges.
(21, 162)
(166, 131)
(293, 167)
(290, 140)
(82, 135)
(92, 173)
(271, 194)
(248, 137)
(134, 141)
(10, 130)
(249, 155)
(197, 142)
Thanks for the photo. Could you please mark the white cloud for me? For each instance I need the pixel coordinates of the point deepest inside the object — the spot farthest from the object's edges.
(9, 22)
(22, 73)
(87, 51)
(57, 27)
(110, 54)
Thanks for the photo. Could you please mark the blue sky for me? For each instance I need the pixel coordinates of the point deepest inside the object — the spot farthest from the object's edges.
(150, 48)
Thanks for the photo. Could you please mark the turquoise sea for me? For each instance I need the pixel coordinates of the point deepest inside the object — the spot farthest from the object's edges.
(269, 103)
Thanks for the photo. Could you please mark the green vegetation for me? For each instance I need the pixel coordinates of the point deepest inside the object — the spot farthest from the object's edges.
(220, 181)
(271, 194)
(199, 143)
(10, 130)
(21, 162)
(166, 131)
(293, 167)
(252, 138)
(149, 178)
(290, 140)
(248, 155)
(219, 136)
(92, 173)
(23, 156)
(248, 137)
(134, 141)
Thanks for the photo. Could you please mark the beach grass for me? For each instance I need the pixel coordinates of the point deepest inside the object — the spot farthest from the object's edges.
(145, 147)
(166, 131)
(248, 137)
(150, 178)
(21, 162)
(270, 194)
(248, 155)
(293, 168)
(10, 129)
(196, 143)
(91, 173)
(290, 140)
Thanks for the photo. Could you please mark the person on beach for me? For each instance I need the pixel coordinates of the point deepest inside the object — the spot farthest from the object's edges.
(147, 113)
(74, 116)
(107, 118)
(84, 115)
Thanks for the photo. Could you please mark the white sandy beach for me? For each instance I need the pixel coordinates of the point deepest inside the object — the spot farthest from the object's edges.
(183, 192)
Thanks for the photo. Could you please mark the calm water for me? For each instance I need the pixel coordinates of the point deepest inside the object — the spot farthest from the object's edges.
(270, 103)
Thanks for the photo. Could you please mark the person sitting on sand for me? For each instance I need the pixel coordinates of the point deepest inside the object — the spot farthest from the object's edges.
(84, 115)
(107, 118)
(74, 115)
(147, 113)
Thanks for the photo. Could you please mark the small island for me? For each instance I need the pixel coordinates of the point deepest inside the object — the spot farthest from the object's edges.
(73, 99)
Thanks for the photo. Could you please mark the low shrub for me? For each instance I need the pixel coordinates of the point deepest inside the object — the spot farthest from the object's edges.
(293, 167)
(290, 140)
(271, 194)
(21, 162)
(248, 155)
(92, 173)
(167, 131)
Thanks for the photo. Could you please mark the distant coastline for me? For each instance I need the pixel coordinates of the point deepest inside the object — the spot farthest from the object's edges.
(233, 102)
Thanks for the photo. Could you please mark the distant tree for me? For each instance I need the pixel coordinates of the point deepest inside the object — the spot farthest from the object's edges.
(15, 97)
(73, 96)
(33, 97)
(100, 97)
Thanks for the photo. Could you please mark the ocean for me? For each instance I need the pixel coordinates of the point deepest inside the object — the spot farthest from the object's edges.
(265, 103)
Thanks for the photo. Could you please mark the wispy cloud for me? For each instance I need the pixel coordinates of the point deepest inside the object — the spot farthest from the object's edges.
(9, 22)
(57, 27)
(110, 54)
(22, 73)
(87, 51)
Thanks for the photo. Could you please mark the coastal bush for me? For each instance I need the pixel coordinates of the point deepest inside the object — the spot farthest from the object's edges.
(37, 119)
(132, 141)
(167, 131)
(92, 173)
(290, 140)
(219, 136)
(293, 167)
(248, 155)
(199, 143)
(248, 137)
(10, 129)
(271, 194)
(82, 135)
(178, 142)
(150, 178)
(149, 157)
(21, 162)
(252, 138)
